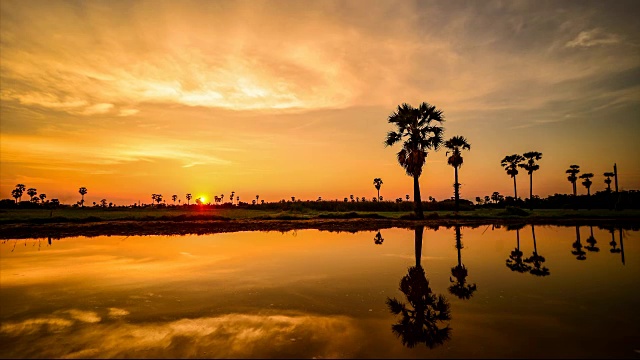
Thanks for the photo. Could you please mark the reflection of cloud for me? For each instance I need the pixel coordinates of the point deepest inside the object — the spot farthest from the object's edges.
(115, 312)
(84, 316)
(232, 335)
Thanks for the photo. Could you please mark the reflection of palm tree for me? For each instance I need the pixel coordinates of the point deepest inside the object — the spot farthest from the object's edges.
(424, 312)
(455, 145)
(515, 262)
(378, 240)
(621, 245)
(592, 242)
(419, 131)
(537, 259)
(613, 243)
(578, 252)
(460, 289)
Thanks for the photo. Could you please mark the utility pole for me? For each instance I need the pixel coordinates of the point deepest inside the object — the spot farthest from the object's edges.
(615, 175)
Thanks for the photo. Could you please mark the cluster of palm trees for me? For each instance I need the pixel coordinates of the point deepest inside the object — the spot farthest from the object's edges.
(20, 189)
(526, 161)
(586, 180)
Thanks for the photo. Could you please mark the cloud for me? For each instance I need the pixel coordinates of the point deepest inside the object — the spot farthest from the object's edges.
(593, 37)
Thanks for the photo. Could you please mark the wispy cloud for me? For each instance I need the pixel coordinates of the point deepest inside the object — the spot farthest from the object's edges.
(593, 37)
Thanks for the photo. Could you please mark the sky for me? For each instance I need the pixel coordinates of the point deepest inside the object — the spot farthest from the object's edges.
(291, 98)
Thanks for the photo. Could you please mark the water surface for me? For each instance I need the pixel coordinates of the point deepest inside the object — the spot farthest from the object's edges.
(456, 292)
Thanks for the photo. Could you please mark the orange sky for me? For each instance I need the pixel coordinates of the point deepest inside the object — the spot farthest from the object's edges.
(288, 98)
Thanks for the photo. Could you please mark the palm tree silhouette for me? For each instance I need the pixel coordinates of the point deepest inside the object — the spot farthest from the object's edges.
(591, 240)
(420, 130)
(515, 261)
(608, 180)
(83, 191)
(378, 240)
(231, 197)
(587, 183)
(425, 311)
(578, 252)
(530, 165)
(257, 198)
(43, 196)
(510, 164)
(32, 192)
(22, 189)
(460, 289)
(455, 145)
(377, 182)
(16, 193)
(573, 171)
(536, 259)
(189, 197)
(174, 198)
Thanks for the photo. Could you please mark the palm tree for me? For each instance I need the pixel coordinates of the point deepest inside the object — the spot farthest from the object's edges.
(189, 197)
(420, 322)
(231, 197)
(83, 191)
(22, 189)
(515, 261)
(608, 180)
(510, 164)
(419, 129)
(174, 198)
(407, 197)
(158, 198)
(587, 183)
(16, 193)
(42, 197)
(455, 145)
(32, 192)
(536, 259)
(530, 165)
(377, 182)
(573, 171)
(257, 198)
(460, 289)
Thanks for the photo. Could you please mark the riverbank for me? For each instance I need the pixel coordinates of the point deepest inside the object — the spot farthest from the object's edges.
(18, 224)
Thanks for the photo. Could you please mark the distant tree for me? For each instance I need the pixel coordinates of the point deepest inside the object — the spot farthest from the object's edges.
(222, 198)
(253, 202)
(419, 129)
(198, 201)
(495, 197)
(55, 202)
(357, 198)
(573, 171)
(257, 198)
(232, 195)
(479, 200)
(293, 199)
(174, 198)
(262, 201)
(381, 198)
(43, 196)
(407, 197)
(32, 192)
(587, 183)
(530, 166)
(608, 180)
(17, 194)
(189, 197)
(238, 199)
(158, 198)
(346, 200)
(103, 203)
(510, 164)
(21, 189)
(83, 191)
(487, 199)
(378, 240)
(377, 183)
(351, 197)
(455, 145)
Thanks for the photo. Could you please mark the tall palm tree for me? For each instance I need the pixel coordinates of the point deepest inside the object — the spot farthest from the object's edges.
(510, 164)
(43, 196)
(377, 182)
(16, 193)
(83, 191)
(231, 197)
(420, 130)
(455, 145)
(460, 289)
(257, 198)
(189, 197)
(425, 311)
(536, 259)
(32, 192)
(587, 183)
(174, 198)
(22, 189)
(530, 165)
(515, 261)
(573, 171)
(608, 180)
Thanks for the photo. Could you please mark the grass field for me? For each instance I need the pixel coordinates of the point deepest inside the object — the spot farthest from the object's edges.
(101, 214)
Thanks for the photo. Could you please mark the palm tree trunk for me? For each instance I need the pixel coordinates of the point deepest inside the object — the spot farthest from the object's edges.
(575, 196)
(417, 198)
(515, 189)
(588, 199)
(418, 240)
(378, 199)
(531, 191)
(456, 187)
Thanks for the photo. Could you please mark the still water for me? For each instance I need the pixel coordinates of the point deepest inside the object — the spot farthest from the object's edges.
(450, 292)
